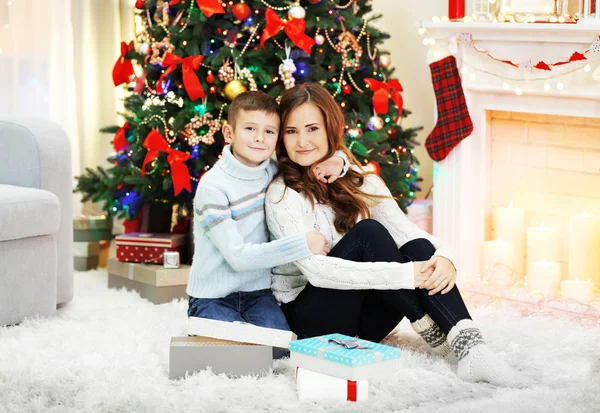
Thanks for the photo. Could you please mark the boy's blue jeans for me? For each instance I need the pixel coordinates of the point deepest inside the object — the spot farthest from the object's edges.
(254, 307)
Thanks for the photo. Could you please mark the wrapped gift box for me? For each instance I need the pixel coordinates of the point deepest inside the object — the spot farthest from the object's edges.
(421, 214)
(192, 354)
(156, 295)
(345, 357)
(242, 332)
(147, 248)
(92, 228)
(316, 386)
(85, 263)
(152, 274)
(86, 255)
(104, 253)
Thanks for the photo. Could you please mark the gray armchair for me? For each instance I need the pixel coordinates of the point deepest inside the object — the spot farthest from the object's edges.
(36, 219)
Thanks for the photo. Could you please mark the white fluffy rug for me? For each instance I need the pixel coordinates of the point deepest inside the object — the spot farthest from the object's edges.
(107, 351)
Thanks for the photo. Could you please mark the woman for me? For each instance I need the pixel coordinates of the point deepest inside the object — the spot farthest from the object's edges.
(381, 267)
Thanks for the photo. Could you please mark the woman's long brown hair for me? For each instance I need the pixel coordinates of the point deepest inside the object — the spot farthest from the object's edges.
(343, 195)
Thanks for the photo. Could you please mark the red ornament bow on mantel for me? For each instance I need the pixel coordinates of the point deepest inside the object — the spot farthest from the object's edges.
(382, 91)
(180, 175)
(208, 7)
(123, 68)
(120, 139)
(293, 28)
(189, 65)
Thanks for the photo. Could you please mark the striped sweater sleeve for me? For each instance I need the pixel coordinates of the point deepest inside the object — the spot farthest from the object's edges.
(284, 217)
(217, 220)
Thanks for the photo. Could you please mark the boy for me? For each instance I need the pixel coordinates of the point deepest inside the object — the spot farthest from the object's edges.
(230, 278)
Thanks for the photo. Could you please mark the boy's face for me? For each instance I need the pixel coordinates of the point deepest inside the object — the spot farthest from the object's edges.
(254, 138)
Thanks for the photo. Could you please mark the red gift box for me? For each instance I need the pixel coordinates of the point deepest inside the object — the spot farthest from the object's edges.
(147, 248)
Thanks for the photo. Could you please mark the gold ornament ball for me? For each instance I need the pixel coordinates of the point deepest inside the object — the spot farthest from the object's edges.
(375, 123)
(319, 39)
(297, 12)
(233, 88)
(385, 60)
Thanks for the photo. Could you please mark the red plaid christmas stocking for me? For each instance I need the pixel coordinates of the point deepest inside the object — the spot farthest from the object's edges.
(454, 123)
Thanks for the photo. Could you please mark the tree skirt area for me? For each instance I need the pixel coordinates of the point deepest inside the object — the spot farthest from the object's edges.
(108, 351)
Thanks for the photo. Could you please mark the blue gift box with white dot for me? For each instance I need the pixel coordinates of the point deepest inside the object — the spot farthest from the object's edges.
(348, 353)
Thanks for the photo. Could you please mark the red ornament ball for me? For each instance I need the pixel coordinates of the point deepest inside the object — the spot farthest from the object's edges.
(241, 11)
(210, 78)
(346, 89)
(139, 4)
(213, 90)
(314, 1)
(373, 167)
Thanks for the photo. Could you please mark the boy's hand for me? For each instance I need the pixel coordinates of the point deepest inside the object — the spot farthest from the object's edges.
(328, 171)
(317, 243)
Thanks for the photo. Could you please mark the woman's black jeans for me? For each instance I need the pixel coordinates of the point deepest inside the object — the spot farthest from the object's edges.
(372, 314)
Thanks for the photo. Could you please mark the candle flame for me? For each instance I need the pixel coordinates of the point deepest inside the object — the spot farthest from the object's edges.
(499, 239)
(545, 262)
(510, 204)
(542, 225)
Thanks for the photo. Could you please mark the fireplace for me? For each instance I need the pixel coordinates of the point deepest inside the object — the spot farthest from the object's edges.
(535, 143)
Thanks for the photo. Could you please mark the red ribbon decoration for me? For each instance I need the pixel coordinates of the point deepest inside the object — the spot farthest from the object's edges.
(208, 7)
(123, 68)
(293, 28)
(574, 58)
(351, 391)
(189, 65)
(542, 66)
(180, 175)
(120, 140)
(382, 92)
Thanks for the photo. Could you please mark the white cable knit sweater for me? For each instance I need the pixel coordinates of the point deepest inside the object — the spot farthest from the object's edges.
(289, 213)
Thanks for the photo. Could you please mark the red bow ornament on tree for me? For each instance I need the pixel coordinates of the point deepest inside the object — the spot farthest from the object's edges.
(123, 67)
(120, 139)
(180, 175)
(293, 28)
(382, 91)
(189, 65)
(208, 7)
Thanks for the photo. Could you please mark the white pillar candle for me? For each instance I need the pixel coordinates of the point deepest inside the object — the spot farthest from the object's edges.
(542, 244)
(584, 248)
(508, 224)
(586, 8)
(579, 290)
(498, 262)
(544, 277)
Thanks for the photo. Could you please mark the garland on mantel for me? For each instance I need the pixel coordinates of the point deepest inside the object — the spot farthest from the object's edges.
(467, 39)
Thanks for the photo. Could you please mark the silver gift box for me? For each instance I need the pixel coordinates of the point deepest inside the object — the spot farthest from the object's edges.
(193, 354)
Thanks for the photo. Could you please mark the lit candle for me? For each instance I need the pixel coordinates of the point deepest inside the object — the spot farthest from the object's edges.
(456, 9)
(498, 262)
(579, 290)
(586, 8)
(509, 224)
(584, 248)
(542, 243)
(544, 277)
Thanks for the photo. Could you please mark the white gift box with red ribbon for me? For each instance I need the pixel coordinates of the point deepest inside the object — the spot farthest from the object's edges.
(316, 386)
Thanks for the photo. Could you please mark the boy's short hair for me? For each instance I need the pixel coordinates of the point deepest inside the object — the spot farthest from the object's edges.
(252, 100)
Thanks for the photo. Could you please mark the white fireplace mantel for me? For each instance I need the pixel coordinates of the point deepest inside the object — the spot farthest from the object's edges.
(462, 194)
(516, 32)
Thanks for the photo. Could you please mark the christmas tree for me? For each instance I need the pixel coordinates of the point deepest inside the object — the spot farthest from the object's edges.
(194, 56)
